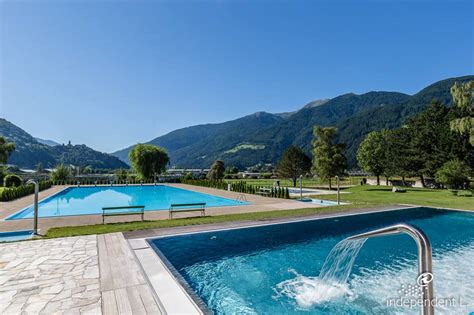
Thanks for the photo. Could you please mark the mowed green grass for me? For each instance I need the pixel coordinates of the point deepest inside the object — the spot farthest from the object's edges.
(133, 226)
(380, 195)
(307, 182)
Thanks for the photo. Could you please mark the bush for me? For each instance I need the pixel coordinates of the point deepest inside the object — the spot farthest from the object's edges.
(12, 193)
(453, 174)
(61, 173)
(241, 187)
(12, 180)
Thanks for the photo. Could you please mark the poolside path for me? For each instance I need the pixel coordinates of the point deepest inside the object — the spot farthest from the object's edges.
(76, 275)
(256, 204)
(50, 276)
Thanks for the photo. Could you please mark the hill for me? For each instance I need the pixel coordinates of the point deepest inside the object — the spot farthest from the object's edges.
(262, 137)
(51, 143)
(29, 151)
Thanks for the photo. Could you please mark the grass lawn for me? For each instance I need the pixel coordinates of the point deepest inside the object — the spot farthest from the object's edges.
(379, 195)
(360, 197)
(307, 182)
(133, 226)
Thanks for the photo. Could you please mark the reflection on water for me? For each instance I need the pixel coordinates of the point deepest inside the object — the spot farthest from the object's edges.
(91, 200)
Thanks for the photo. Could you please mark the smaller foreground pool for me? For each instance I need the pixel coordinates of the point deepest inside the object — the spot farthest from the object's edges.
(321, 202)
(90, 200)
(15, 236)
(279, 268)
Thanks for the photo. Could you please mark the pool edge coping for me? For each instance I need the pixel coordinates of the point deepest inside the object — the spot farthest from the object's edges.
(11, 216)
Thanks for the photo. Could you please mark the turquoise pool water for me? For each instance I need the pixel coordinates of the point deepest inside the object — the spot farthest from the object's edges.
(15, 236)
(90, 200)
(274, 269)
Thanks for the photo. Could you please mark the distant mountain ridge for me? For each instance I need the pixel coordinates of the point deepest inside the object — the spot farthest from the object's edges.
(262, 137)
(29, 151)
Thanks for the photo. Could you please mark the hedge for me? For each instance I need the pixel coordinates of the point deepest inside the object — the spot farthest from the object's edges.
(11, 193)
(242, 187)
(12, 180)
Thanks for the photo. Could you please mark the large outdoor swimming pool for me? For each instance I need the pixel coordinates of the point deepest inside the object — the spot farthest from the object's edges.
(90, 200)
(274, 269)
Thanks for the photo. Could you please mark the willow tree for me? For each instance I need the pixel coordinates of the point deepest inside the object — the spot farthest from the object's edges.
(148, 160)
(463, 97)
(328, 157)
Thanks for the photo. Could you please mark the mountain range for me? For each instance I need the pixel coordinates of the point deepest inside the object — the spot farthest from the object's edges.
(262, 137)
(30, 151)
(257, 138)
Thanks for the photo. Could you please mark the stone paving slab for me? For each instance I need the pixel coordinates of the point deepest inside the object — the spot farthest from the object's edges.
(53, 276)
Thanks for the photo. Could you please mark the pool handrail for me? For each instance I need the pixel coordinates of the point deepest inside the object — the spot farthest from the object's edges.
(425, 261)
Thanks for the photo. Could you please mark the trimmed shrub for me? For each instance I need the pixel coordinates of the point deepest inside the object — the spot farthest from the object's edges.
(11, 193)
(12, 180)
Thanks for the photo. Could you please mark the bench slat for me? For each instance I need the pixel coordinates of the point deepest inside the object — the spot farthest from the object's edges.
(135, 210)
(185, 207)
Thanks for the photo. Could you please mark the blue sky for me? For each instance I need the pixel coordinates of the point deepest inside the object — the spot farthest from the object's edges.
(111, 74)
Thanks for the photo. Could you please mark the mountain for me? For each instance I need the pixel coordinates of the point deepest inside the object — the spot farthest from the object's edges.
(262, 137)
(29, 151)
(50, 143)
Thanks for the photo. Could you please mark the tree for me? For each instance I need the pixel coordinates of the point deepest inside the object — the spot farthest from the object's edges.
(328, 157)
(431, 140)
(61, 173)
(217, 170)
(121, 174)
(231, 170)
(87, 170)
(6, 148)
(293, 164)
(372, 154)
(463, 97)
(401, 155)
(453, 174)
(148, 160)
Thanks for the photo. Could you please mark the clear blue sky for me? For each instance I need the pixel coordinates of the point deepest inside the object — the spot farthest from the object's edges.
(110, 74)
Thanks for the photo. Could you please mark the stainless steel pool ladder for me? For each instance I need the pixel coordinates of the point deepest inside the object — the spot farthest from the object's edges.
(425, 264)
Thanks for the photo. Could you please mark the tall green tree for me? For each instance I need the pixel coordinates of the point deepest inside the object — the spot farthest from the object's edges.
(293, 163)
(6, 148)
(401, 155)
(328, 156)
(148, 160)
(431, 139)
(217, 170)
(463, 97)
(373, 153)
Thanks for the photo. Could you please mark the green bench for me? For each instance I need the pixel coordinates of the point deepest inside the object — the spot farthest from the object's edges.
(267, 192)
(116, 211)
(185, 207)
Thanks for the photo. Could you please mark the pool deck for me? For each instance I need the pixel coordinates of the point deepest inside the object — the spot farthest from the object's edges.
(257, 204)
(112, 273)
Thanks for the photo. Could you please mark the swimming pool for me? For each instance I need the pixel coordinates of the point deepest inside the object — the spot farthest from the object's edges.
(90, 200)
(274, 269)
